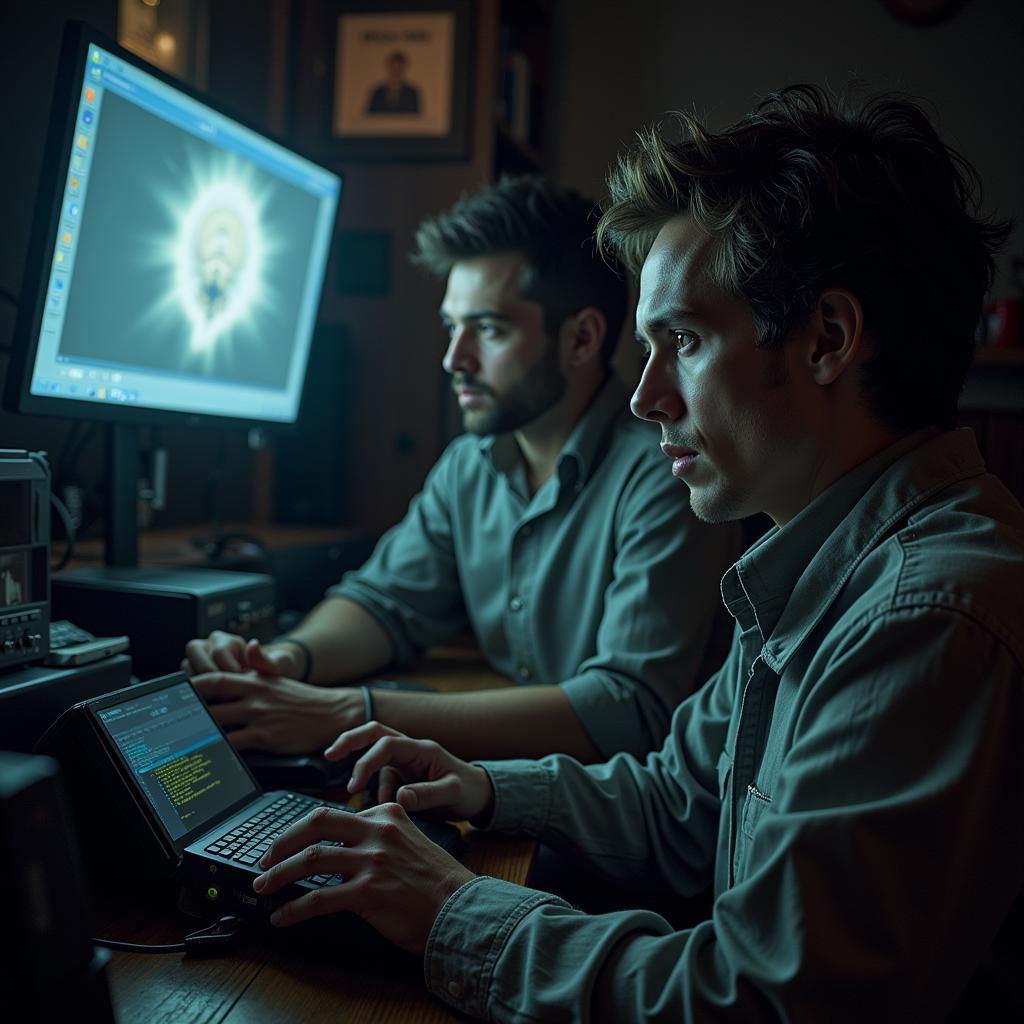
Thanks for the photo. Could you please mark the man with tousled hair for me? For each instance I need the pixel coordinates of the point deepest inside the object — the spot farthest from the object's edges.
(548, 529)
(847, 787)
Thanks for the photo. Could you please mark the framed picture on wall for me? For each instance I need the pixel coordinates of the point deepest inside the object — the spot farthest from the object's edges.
(396, 80)
(172, 34)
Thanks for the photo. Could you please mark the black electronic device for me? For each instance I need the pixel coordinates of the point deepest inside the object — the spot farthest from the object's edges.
(306, 773)
(48, 965)
(160, 610)
(159, 790)
(72, 645)
(174, 269)
(34, 697)
(24, 558)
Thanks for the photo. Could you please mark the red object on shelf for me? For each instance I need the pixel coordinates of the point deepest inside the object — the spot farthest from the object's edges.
(1004, 323)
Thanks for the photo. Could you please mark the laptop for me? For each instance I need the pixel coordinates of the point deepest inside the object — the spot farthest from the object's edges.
(203, 805)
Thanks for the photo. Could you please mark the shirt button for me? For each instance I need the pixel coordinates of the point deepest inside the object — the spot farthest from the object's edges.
(524, 672)
(516, 604)
(454, 990)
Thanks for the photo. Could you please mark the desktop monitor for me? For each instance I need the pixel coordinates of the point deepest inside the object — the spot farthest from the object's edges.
(175, 266)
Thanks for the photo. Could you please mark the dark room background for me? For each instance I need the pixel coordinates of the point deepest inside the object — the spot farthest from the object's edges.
(599, 69)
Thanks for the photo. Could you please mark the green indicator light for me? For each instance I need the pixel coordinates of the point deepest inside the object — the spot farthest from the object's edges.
(212, 893)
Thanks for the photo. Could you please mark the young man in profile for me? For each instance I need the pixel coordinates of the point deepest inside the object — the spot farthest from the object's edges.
(549, 529)
(848, 785)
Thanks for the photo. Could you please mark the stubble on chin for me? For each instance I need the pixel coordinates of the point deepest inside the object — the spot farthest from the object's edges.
(713, 506)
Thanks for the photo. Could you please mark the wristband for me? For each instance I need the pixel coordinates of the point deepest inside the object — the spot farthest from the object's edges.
(367, 702)
(304, 678)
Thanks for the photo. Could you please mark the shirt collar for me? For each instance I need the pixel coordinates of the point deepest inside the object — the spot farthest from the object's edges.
(785, 583)
(584, 448)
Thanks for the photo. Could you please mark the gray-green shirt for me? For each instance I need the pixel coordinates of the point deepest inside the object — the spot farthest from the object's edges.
(603, 581)
(849, 784)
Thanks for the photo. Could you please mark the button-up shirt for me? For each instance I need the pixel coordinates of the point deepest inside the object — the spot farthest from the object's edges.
(603, 581)
(849, 784)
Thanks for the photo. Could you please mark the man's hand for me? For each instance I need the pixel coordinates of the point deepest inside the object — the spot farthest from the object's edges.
(394, 876)
(420, 774)
(276, 714)
(227, 652)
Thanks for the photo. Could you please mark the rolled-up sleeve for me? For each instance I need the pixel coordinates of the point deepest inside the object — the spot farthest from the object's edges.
(410, 583)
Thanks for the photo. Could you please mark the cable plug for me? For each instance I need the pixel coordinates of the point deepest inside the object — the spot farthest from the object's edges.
(216, 939)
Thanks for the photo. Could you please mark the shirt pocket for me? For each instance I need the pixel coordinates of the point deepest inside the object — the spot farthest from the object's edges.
(755, 803)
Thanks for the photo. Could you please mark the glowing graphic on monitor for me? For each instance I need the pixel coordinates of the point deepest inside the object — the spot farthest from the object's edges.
(217, 257)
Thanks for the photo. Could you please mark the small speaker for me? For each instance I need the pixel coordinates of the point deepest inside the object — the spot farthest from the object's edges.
(47, 960)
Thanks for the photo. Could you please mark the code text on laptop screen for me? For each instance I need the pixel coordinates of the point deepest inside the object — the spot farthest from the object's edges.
(184, 766)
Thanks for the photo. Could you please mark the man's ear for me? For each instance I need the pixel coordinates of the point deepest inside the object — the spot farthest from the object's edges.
(583, 335)
(835, 339)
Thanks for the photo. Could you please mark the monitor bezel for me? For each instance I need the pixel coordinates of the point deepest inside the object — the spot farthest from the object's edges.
(77, 38)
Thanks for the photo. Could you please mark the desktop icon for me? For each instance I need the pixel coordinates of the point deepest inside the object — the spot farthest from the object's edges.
(77, 163)
(82, 142)
(96, 56)
(87, 117)
(59, 258)
(66, 238)
(90, 94)
(73, 209)
(74, 184)
(96, 73)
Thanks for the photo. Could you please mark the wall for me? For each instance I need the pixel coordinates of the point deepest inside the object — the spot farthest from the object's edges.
(621, 65)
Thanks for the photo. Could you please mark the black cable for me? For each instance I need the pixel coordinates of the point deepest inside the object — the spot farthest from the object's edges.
(136, 947)
(69, 529)
(207, 941)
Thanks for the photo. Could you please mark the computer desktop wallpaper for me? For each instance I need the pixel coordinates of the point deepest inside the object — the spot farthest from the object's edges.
(191, 259)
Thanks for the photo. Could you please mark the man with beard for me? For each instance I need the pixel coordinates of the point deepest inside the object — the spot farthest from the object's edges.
(549, 529)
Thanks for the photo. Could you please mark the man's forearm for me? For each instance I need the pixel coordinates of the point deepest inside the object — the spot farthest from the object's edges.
(507, 722)
(344, 640)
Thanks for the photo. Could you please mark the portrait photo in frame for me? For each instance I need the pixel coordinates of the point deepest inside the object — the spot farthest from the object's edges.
(396, 79)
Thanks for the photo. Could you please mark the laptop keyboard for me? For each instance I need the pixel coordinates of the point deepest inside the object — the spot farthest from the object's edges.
(249, 840)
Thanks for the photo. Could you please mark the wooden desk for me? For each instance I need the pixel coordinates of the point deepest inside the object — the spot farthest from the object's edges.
(276, 979)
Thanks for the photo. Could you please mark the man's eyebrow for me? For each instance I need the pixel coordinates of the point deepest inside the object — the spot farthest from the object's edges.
(478, 314)
(667, 318)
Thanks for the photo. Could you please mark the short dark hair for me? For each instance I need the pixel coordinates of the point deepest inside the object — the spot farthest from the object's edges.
(553, 227)
(809, 191)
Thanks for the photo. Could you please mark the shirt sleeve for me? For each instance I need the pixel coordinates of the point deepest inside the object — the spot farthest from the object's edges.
(888, 854)
(641, 824)
(657, 641)
(410, 583)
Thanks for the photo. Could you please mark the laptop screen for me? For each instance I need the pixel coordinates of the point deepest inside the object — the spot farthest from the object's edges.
(187, 770)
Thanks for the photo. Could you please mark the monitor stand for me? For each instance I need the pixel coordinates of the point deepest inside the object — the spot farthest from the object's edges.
(121, 540)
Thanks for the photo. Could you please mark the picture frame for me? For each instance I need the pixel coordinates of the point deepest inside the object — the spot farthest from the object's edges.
(171, 34)
(383, 80)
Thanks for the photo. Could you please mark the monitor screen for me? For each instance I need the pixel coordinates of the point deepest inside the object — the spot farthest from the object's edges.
(179, 255)
(180, 759)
